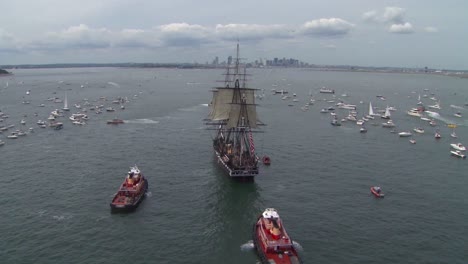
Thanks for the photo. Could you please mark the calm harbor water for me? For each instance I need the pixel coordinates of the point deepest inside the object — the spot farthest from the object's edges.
(57, 185)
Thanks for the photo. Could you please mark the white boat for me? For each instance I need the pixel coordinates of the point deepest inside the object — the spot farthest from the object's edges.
(389, 123)
(65, 104)
(405, 134)
(457, 114)
(453, 134)
(326, 90)
(458, 154)
(436, 106)
(412, 141)
(51, 117)
(432, 123)
(324, 110)
(2, 142)
(414, 112)
(363, 130)
(23, 122)
(360, 122)
(419, 130)
(110, 109)
(458, 146)
(437, 135)
(13, 136)
(425, 119)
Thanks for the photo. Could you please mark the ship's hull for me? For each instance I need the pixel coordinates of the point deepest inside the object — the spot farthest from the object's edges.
(234, 173)
(127, 208)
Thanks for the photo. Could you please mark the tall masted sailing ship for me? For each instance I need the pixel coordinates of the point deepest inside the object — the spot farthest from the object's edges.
(233, 113)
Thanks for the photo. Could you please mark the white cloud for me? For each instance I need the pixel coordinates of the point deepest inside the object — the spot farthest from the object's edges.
(405, 28)
(431, 29)
(183, 34)
(370, 16)
(393, 14)
(326, 27)
(251, 32)
(80, 36)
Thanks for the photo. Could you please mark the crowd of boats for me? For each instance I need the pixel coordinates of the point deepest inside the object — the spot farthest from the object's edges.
(55, 119)
(456, 149)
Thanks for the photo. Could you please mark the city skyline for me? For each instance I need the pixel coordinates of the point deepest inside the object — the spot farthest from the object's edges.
(406, 34)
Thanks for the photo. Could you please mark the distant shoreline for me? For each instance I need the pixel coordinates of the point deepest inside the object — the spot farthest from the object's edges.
(450, 73)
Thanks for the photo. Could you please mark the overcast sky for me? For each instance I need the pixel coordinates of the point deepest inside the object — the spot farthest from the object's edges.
(406, 33)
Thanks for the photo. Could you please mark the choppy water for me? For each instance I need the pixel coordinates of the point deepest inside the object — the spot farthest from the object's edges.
(57, 185)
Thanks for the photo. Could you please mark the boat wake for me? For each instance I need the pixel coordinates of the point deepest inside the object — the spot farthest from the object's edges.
(141, 121)
(113, 84)
(437, 116)
(148, 194)
(297, 246)
(247, 246)
(457, 107)
(192, 108)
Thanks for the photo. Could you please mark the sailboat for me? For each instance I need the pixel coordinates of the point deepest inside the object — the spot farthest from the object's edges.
(371, 112)
(387, 114)
(233, 112)
(453, 126)
(65, 104)
(419, 99)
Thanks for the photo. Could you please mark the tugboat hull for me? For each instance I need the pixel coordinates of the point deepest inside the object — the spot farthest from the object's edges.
(281, 256)
(127, 208)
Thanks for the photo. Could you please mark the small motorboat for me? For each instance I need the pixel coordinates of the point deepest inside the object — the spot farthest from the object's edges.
(363, 130)
(437, 135)
(389, 123)
(335, 122)
(272, 243)
(412, 141)
(377, 191)
(458, 146)
(131, 192)
(458, 154)
(2, 142)
(266, 160)
(115, 121)
(405, 134)
(419, 130)
(457, 114)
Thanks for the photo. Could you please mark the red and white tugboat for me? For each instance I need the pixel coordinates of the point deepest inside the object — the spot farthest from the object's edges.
(271, 241)
(131, 192)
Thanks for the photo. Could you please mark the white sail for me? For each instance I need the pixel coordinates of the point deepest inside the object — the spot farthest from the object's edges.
(371, 111)
(387, 112)
(65, 103)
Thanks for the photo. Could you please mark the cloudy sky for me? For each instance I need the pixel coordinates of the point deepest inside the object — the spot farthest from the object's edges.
(400, 33)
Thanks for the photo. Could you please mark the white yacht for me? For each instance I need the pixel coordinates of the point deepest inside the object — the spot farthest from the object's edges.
(457, 114)
(419, 130)
(458, 154)
(405, 134)
(2, 142)
(458, 146)
(414, 112)
(389, 123)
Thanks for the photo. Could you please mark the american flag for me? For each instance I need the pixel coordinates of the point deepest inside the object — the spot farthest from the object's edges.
(252, 146)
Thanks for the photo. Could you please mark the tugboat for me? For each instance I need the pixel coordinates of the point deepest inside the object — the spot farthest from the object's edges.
(377, 191)
(131, 192)
(233, 113)
(271, 241)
